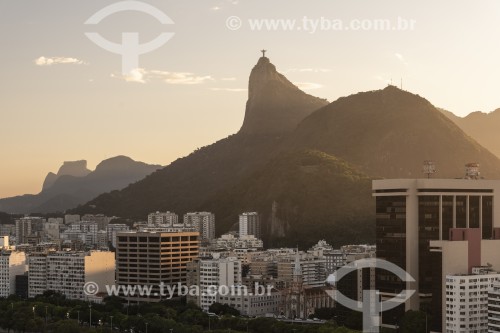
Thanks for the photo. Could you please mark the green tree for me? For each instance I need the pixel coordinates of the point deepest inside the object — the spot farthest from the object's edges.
(413, 322)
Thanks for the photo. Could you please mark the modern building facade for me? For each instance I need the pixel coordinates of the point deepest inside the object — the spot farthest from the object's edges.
(153, 258)
(410, 213)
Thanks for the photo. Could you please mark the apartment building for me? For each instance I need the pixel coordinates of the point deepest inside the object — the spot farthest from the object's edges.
(151, 258)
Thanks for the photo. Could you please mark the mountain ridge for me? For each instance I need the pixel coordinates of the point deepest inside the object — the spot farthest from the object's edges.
(73, 186)
(383, 133)
(481, 126)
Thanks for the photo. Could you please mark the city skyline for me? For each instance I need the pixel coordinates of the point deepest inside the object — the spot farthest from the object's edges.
(80, 107)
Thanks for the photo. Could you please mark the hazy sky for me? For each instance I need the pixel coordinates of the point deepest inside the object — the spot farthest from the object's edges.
(62, 97)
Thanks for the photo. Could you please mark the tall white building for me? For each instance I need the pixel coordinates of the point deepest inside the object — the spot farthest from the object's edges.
(12, 263)
(163, 218)
(467, 300)
(211, 273)
(249, 224)
(203, 222)
(67, 272)
(494, 308)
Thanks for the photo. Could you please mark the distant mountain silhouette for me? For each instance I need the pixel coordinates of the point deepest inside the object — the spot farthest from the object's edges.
(75, 168)
(73, 185)
(483, 127)
(264, 167)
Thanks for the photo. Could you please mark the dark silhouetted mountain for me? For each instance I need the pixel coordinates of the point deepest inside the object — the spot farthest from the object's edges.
(275, 105)
(301, 196)
(483, 127)
(69, 190)
(74, 168)
(389, 133)
(385, 133)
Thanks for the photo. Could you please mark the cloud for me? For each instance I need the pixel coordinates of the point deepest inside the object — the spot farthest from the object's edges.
(400, 57)
(308, 70)
(228, 79)
(141, 75)
(308, 85)
(222, 4)
(229, 89)
(43, 61)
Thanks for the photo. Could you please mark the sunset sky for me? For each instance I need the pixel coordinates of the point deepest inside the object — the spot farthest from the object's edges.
(64, 98)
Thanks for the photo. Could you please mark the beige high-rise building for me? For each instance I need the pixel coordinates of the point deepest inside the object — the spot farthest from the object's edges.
(148, 259)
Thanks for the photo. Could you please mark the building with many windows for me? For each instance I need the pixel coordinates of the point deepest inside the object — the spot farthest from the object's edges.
(12, 263)
(113, 229)
(494, 308)
(203, 222)
(249, 224)
(410, 214)
(459, 256)
(163, 218)
(27, 227)
(152, 259)
(67, 272)
(213, 273)
(467, 300)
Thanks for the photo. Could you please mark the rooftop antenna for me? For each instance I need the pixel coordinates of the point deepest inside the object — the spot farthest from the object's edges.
(429, 168)
(401, 83)
(472, 171)
(263, 53)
